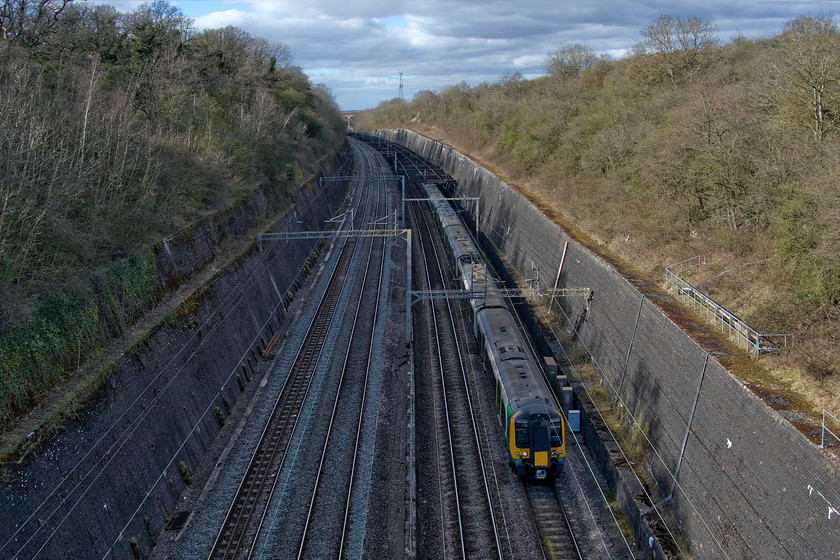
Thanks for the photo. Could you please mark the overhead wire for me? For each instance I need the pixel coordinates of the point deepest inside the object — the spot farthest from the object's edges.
(591, 470)
(721, 382)
(606, 380)
(533, 352)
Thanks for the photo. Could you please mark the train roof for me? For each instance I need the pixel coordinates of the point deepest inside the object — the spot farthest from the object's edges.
(461, 242)
(519, 374)
(475, 279)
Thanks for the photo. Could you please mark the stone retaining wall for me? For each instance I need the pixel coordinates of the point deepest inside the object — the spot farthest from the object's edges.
(106, 485)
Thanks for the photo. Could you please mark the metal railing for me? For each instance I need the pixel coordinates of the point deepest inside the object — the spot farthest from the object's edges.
(825, 429)
(689, 265)
(730, 324)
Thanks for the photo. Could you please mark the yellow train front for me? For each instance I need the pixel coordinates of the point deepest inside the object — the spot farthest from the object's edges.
(535, 441)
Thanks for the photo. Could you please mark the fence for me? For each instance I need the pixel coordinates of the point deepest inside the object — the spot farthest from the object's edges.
(825, 429)
(718, 315)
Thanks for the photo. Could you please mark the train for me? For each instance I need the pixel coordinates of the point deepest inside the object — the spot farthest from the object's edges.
(527, 408)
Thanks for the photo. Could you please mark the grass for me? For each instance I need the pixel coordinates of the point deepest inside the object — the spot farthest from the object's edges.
(70, 395)
(623, 524)
(185, 472)
(650, 172)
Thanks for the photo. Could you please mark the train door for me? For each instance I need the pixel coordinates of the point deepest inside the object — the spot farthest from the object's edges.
(540, 445)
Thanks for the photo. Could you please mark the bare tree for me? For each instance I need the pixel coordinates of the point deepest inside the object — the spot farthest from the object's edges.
(92, 86)
(571, 61)
(812, 51)
(679, 43)
(29, 22)
(270, 56)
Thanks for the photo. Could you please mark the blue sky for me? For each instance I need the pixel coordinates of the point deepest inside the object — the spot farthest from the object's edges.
(358, 48)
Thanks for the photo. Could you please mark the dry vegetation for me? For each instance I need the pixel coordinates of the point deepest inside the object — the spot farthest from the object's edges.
(685, 147)
(119, 129)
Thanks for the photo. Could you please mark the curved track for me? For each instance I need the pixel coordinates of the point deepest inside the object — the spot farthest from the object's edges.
(322, 532)
(546, 511)
(245, 516)
(533, 521)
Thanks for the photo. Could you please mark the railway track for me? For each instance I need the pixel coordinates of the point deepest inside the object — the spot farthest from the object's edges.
(78, 480)
(470, 525)
(325, 524)
(528, 526)
(245, 516)
(557, 539)
(548, 517)
(323, 535)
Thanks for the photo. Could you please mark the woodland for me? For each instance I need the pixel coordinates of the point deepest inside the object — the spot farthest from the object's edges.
(687, 146)
(118, 130)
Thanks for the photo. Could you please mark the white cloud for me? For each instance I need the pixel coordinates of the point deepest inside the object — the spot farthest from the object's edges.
(357, 48)
(216, 20)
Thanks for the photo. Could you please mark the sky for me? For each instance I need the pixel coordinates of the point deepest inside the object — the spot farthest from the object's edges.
(358, 48)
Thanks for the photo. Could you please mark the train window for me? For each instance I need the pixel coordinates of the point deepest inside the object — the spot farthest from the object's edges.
(556, 432)
(522, 435)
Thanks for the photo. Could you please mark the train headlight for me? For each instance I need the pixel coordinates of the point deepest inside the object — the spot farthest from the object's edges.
(518, 454)
(525, 454)
(554, 453)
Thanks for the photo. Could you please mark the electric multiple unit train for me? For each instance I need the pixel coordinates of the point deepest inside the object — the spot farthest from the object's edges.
(533, 424)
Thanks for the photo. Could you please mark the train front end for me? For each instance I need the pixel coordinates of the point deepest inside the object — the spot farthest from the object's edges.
(536, 441)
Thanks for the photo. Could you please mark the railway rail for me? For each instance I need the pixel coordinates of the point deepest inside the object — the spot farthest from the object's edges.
(471, 518)
(530, 531)
(322, 534)
(557, 538)
(544, 508)
(246, 514)
(240, 533)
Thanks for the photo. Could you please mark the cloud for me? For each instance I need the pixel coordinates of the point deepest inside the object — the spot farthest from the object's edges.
(358, 48)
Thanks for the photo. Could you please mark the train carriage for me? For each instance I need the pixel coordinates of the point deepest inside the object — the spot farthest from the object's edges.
(527, 408)
(534, 427)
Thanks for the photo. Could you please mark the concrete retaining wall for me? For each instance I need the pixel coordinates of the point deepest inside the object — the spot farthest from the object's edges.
(106, 485)
(750, 485)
